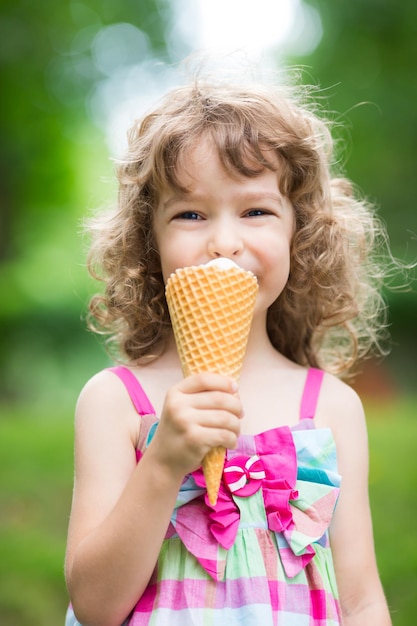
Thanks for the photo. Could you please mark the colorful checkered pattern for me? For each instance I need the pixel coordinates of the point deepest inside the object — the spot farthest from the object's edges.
(265, 578)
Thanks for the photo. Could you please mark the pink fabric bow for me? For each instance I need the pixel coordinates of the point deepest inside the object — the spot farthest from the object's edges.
(244, 475)
(209, 532)
(276, 457)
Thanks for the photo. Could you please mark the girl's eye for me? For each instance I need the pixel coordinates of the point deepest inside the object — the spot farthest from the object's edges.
(256, 213)
(188, 215)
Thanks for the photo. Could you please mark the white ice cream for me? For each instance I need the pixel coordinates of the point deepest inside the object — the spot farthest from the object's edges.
(222, 264)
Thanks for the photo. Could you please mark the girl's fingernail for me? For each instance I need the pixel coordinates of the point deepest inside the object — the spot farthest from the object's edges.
(235, 387)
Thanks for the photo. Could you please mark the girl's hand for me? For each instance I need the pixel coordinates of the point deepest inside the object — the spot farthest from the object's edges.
(200, 412)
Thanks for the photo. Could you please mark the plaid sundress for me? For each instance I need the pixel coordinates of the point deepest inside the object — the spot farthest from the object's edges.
(261, 556)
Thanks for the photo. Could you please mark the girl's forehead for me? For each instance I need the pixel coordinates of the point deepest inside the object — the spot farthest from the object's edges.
(191, 162)
(237, 161)
(196, 154)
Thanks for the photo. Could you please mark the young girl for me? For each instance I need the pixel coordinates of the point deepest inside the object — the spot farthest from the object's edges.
(245, 174)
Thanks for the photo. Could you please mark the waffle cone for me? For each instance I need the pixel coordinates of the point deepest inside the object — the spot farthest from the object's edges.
(211, 312)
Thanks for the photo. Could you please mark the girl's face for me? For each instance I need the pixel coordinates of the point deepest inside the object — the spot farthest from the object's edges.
(244, 219)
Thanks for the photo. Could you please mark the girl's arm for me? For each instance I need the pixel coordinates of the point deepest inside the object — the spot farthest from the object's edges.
(121, 510)
(361, 596)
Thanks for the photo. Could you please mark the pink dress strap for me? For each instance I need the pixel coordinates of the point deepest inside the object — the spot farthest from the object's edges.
(139, 398)
(311, 393)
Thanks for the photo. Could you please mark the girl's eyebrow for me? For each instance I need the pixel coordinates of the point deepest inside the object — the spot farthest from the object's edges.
(180, 197)
(260, 196)
(249, 196)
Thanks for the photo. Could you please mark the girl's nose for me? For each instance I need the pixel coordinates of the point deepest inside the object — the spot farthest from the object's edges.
(225, 240)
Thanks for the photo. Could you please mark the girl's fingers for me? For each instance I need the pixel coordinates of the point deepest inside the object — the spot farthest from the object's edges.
(220, 420)
(218, 401)
(208, 381)
(220, 437)
(212, 392)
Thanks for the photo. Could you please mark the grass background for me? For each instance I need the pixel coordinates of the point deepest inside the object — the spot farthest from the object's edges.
(35, 496)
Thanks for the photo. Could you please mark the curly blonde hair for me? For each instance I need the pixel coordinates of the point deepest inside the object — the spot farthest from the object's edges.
(330, 313)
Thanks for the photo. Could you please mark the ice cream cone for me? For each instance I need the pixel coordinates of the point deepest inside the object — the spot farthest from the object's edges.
(211, 308)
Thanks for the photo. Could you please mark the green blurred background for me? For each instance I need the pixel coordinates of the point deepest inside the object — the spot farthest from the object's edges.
(65, 68)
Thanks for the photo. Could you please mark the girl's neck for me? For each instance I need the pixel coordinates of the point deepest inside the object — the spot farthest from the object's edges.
(260, 350)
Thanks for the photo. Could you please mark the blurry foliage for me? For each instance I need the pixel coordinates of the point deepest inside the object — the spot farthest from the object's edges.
(53, 160)
(47, 72)
(365, 65)
(365, 62)
(36, 462)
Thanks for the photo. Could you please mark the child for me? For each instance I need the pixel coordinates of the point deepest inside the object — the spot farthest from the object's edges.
(221, 171)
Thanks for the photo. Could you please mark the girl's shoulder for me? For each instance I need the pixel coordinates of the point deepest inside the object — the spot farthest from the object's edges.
(105, 406)
(102, 389)
(337, 398)
(336, 387)
(130, 389)
(340, 408)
